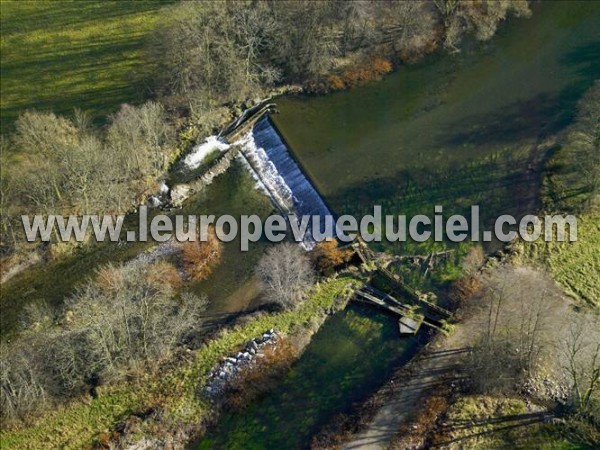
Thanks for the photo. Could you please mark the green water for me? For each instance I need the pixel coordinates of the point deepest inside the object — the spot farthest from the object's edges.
(350, 356)
(454, 130)
(228, 288)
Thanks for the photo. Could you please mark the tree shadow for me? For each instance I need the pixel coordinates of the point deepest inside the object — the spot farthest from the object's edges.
(512, 421)
(537, 117)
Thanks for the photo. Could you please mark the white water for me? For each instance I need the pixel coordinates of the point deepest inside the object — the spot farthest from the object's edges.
(264, 172)
(277, 173)
(200, 151)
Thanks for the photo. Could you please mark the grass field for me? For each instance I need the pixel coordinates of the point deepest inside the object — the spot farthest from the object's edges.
(59, 55)
(575, 265)
(484, 422)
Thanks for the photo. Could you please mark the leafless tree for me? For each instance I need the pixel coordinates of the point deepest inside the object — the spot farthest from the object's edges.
(130, 317)
(20, 388)
(416, 22)
(481, 19)
(582, 356)
(286, 274)
(135, 319)
(514, 337)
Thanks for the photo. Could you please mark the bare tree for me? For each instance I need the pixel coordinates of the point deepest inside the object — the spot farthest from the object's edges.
(129, 317)
(66, 167)
(286, 274)
(514, 337)
(416, 22)
(582, 356)
(133, 319)
(481, 19)
(20, 388)
(530, 334)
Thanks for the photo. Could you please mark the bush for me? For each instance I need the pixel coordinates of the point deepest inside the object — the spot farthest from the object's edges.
(199, 258)
(358, 75)
(326, 256)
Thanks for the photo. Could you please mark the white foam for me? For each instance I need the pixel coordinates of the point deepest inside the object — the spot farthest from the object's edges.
(200, 151)
(163, 188)
(269, 181)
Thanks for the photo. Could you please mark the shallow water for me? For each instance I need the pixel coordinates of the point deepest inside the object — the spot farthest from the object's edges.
(350, 357)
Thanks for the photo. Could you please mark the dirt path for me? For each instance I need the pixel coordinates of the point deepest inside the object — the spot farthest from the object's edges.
(441, 361)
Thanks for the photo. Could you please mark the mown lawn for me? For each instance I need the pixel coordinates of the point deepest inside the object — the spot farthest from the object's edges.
(58, 55)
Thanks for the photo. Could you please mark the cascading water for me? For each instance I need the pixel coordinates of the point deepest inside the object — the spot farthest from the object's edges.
(201, 151)
(279, 174)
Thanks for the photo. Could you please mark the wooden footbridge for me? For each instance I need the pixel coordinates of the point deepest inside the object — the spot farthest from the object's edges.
(412, 311)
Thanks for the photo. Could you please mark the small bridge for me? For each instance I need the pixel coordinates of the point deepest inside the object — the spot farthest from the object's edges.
(415, 310)
(410, 318)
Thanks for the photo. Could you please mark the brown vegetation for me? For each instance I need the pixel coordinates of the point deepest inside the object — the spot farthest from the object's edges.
(327, 255)
(463, 289)
(262, 376)
(414, 433)
(515, 340)
(365, 71)
(199, 257)
(129, 318)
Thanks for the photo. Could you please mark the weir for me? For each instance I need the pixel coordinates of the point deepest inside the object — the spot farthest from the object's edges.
(278, 173)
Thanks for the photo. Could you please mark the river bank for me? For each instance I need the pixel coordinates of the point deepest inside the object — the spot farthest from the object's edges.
(168, 410)
(431, 400)
(171, 400)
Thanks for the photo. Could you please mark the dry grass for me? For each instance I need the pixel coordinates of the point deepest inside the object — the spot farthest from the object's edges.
(575, 265)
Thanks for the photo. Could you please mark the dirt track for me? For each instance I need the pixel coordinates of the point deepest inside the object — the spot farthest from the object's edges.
(441, 362)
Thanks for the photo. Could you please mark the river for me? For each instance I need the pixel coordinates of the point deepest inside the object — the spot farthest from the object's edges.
(454, 130)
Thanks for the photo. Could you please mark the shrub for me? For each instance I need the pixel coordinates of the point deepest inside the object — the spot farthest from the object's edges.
(326, 256)
(199, 257)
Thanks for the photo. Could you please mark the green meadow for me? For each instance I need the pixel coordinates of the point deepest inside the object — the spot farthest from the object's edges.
(61, 55)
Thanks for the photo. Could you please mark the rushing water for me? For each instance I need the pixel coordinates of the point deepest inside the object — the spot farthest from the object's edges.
(281, 176)
(455, 130)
